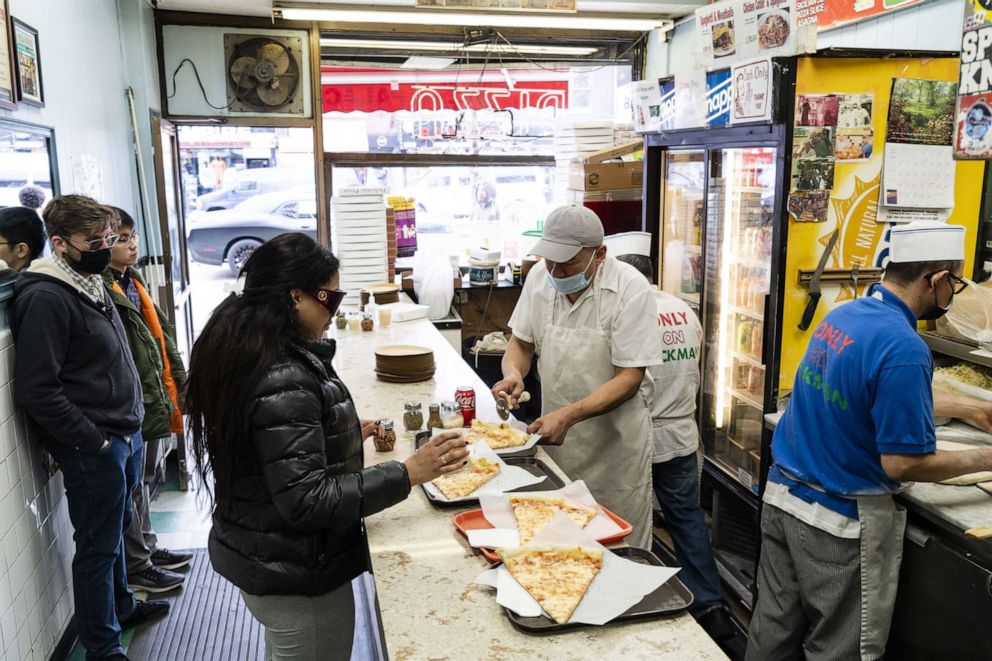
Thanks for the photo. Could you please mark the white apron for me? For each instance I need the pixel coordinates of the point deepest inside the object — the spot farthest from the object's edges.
(611, 452)
(883, 525)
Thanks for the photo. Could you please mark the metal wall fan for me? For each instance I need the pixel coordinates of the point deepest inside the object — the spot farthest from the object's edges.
(263, 73)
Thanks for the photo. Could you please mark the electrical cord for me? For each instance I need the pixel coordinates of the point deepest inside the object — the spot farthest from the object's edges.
(199, 82)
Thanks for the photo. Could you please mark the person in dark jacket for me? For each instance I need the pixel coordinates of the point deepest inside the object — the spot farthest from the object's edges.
(75, 379)
(163, 376)
(277, 430)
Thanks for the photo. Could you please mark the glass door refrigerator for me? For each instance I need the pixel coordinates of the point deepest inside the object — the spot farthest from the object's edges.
(719, 210)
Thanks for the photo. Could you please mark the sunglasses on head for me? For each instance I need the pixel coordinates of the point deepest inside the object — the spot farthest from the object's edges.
(329, 299)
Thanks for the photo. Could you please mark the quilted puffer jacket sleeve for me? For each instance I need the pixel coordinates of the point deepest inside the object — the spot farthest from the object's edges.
(288, 437)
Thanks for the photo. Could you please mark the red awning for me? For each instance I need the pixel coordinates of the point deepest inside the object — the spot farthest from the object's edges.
(369, 90)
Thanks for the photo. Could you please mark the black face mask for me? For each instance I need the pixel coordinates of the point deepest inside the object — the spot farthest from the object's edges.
(934, 313)
(93, 262)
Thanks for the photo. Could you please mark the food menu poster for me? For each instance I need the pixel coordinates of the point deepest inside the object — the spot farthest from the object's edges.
(829, 14)
(973, 110)
(740, 30)
(852, 205)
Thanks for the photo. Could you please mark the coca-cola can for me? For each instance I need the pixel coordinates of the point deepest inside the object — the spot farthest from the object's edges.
(465, 396)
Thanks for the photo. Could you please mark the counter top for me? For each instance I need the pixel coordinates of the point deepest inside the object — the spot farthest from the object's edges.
(424, 570)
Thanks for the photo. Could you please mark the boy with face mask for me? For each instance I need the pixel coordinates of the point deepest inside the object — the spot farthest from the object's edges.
(76, 380)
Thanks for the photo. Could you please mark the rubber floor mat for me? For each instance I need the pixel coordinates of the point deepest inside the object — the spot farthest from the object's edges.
(208, 621)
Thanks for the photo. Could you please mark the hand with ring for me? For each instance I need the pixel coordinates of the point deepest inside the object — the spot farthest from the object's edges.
(445, 453)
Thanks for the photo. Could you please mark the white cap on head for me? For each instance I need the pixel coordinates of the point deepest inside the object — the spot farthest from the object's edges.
(923, 241)
(629, 243)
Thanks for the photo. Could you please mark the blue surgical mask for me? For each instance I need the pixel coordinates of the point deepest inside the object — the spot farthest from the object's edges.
(573, 283)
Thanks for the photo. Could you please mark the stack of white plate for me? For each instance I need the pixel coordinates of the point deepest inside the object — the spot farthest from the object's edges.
(575, 138)
(358, 237)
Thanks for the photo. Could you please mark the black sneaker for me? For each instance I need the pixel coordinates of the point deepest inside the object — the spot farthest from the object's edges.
(155, 579)
(719, 625)
(167, 559)
(145, 611)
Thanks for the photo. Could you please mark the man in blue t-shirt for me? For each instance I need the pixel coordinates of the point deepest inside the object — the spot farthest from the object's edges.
(859, 422)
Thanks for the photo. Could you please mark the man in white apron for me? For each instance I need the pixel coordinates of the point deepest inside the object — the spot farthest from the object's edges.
(675, 466)
(592, 323)
(859, 422)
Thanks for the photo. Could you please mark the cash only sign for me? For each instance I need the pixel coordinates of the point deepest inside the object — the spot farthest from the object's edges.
(973, 116)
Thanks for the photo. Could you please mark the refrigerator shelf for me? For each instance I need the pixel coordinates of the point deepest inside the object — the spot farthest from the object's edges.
(745, 358)
(691, 299)
(747, 399)
(757, 316)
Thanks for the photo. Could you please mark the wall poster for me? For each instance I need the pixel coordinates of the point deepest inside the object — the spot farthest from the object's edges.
(973, 112)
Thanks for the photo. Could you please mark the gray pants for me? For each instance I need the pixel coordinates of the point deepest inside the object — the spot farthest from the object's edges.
(299, 628)
(139, 538)
(809, 593)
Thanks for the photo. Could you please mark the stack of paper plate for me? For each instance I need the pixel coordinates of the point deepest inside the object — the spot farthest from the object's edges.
(574, 138)
(402, 363)
(384, 294)
(358, 237)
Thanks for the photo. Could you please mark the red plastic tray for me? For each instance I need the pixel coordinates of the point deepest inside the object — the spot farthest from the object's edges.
(475, 520)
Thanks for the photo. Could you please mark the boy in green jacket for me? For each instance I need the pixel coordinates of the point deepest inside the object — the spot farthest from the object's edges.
(163, 377)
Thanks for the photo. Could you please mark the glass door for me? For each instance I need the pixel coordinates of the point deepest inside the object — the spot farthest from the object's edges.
(682, 225)
(740, 222)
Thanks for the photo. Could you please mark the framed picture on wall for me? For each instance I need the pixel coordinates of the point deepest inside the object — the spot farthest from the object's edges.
(8, 93)
(28, 65)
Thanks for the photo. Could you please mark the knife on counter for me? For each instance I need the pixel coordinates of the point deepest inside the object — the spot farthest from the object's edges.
(814, 283)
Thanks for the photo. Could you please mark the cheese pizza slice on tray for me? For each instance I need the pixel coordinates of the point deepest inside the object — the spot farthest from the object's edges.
(498, 435)
(535, 512)
(556, 576)
(464, 482)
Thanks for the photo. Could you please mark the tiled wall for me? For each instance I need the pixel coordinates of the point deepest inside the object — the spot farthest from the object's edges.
(36, 544)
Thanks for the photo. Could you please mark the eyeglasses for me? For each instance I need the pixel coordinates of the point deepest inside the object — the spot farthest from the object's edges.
(95, 244)
(128, 238)
(329, 299)
(958, 285)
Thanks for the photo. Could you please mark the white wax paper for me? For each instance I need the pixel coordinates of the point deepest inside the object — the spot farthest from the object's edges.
(496, 508)
(508, 478)
(620, 584)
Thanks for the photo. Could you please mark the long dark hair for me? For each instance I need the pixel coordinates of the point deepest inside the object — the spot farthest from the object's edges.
(245, 335)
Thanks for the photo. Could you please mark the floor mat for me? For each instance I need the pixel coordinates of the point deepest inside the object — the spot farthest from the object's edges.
(208, 621)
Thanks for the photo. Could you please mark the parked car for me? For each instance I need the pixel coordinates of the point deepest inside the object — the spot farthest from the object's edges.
(232, 235)
(249, 183)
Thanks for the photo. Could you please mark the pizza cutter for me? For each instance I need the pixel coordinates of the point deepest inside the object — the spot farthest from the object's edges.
(504, 405)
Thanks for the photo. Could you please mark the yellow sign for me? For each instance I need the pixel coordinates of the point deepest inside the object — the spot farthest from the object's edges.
(854, 200)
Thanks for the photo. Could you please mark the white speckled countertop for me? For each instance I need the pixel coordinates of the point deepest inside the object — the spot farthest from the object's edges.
(425, 570)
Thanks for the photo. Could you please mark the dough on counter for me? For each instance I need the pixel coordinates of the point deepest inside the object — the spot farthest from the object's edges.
(970, 478)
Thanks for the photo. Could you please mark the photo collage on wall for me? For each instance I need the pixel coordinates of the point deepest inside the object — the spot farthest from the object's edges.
(829, 128)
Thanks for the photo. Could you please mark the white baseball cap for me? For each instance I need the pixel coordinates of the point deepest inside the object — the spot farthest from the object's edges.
(567, 231)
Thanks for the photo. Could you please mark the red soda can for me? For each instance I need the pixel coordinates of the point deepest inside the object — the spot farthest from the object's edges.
(465, 396)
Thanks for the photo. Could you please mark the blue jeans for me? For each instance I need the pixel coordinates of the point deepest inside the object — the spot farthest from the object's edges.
(676, 483)
(98, 489)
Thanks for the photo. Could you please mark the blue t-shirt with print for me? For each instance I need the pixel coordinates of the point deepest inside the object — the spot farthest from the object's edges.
(863, 389)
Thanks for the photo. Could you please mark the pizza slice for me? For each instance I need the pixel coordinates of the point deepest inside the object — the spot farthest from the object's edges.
(556, 576)
(461, 483)
(535, 512)
(498, 435)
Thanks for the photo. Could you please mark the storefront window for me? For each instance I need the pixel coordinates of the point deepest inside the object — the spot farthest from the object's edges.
(460, 207)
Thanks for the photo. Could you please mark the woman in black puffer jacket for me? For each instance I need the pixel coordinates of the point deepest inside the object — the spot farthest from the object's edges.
(278, 433)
